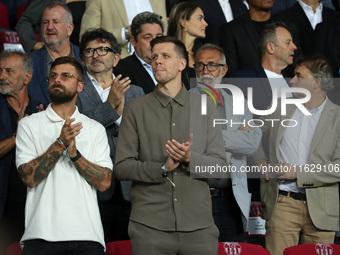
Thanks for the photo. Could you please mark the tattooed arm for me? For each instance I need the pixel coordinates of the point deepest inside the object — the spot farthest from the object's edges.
(99, 177)
(33, 172)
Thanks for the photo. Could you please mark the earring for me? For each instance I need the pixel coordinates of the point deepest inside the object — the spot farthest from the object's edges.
(185, 30)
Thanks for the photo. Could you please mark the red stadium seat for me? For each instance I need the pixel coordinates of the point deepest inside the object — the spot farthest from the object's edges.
(21, 8)
(241, 249)
(13, 249)
(4, 21)
(313, 249)
(119, 248)
(10, 41)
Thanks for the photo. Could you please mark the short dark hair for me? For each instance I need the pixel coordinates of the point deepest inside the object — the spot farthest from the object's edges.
(56, 3)
(144, 18)
(26, 59)
(71, 61)
(268, 35)
(101, 35)
(178, 45)
(320, 68)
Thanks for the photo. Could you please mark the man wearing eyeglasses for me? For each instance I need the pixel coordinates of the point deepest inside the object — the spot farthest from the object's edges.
(230, 196)
(103, 99)
(63, 157)
(56, 29)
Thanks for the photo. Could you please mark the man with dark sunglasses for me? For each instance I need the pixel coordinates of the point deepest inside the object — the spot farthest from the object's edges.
(103, 99)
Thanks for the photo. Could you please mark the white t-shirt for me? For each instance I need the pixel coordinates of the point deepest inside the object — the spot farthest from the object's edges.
(62, 207)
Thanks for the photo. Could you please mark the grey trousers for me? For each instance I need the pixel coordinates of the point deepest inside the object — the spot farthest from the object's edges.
(146, 240)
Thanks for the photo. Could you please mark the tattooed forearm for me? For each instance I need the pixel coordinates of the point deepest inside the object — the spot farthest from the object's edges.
(99, 177)
(38, 169)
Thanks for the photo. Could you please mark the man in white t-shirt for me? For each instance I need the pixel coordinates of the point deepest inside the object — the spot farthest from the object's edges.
(63, 157)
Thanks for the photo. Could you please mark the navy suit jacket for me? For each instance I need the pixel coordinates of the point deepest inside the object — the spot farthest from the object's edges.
(131, 67)
(308, 39)
(262, 92)
(215, 18)
(90, 104)
(39, 84)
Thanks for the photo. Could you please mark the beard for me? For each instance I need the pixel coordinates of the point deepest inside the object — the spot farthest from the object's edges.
(60, 96)
(6, 89)
(209, 80)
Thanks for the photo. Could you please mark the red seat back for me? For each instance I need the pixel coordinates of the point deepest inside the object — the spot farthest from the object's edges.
(21, 8)
(13, 249)
(313, 249)
(4, 21)
(119, 248)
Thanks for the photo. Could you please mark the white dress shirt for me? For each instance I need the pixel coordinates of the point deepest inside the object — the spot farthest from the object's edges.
(295, 143)
(148, 68)
(103, 93)
(277, 81)
(134, 7)
(313, 17)
(226, 8)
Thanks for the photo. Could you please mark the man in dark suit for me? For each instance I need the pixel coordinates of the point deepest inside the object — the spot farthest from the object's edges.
(239, 37)
(216, 16)
(328, 45)
(277, 50)
(103, 99)
(307, 15)
(144, 27)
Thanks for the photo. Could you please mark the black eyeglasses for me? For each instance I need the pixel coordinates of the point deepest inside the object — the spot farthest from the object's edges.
(210, 66)
(63, 76)
(101, 51)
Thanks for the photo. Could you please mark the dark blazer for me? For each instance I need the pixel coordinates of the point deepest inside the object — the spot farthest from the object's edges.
(215, 18)
(239, 41)
(329, 46)
(90, 104)
(256, 79)
(262, 92)
(131, 67)
(296, 15)
(38, 84)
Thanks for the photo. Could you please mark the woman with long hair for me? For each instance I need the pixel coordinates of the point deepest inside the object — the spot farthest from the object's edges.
(186, 23)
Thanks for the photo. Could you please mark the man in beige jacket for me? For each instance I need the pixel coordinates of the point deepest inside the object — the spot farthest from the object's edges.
(300, 194)
(116, 17)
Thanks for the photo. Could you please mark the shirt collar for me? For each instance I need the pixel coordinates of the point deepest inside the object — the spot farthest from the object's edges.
(142, 61)
(54, 117)
(95, 82)
(50, 60)
(320, 108)
(164, 99)
(306, 7)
